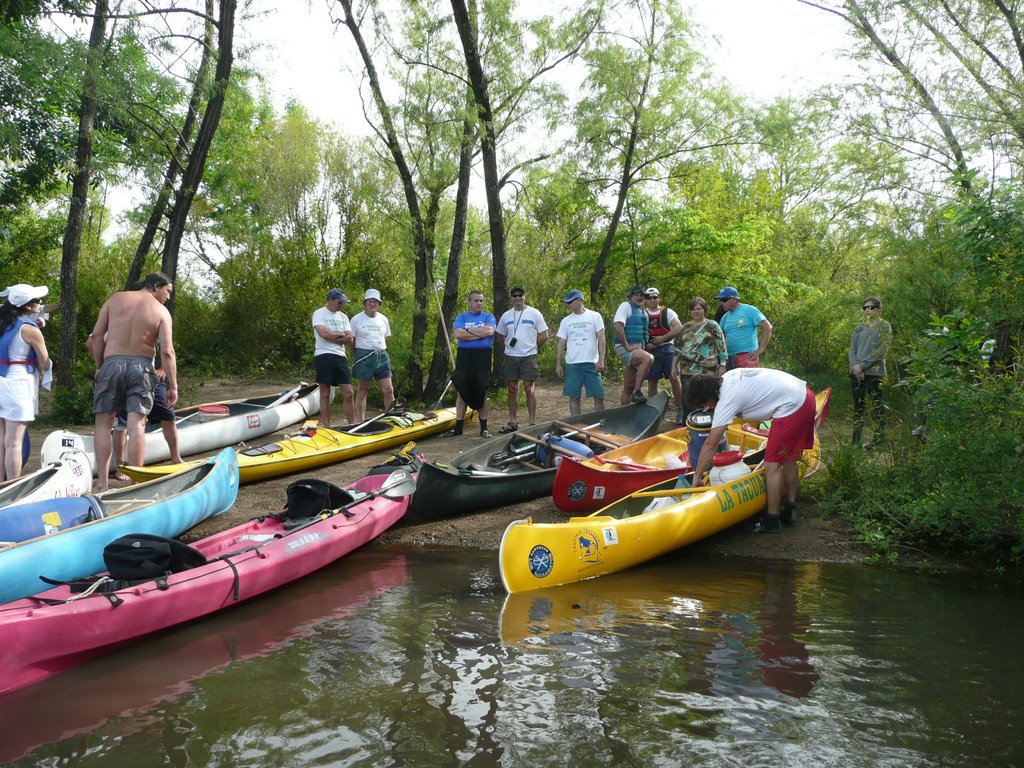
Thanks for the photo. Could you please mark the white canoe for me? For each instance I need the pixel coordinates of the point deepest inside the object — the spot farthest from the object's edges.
(70, 475)
(207, 427)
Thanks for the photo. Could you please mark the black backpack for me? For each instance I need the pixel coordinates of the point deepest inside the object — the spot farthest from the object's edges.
(309, 497)
(142, 556)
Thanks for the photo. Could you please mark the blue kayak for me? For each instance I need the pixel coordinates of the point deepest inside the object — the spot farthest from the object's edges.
(165, 507)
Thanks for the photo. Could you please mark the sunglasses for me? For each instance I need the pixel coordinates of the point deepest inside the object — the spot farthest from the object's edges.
(518, 295)
(871, 306)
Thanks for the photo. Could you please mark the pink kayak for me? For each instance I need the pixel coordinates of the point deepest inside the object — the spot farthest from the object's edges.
(56, 630)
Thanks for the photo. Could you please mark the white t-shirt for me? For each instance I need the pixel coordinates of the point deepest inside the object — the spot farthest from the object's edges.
(371, 332)
(524, 326)
(758, 393)
(580, 334)
(624, 312)
(332, 321)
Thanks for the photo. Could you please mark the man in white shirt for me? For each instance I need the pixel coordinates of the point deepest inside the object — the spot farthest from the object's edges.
(761, 393)
(521, 332)
(371, 330)
(581, 343)
(332, 332)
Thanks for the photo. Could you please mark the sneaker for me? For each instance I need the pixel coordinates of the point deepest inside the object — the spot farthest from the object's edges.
(788, 514)
(485, 433)
(639, 397)
(452, 433)
(766, 524)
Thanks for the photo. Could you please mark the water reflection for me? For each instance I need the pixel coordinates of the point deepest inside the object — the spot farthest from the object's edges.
(422, 660)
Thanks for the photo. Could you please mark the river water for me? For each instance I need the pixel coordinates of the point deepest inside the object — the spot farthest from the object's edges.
(420, 660)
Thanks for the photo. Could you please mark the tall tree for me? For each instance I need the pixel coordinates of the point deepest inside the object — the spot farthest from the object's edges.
(64, 368)
(646, 103)
(193, 174)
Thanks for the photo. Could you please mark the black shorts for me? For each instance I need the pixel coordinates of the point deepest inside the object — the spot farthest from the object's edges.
(332, 369)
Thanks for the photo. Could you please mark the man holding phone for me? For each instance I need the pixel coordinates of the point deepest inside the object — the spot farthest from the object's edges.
(521, 332)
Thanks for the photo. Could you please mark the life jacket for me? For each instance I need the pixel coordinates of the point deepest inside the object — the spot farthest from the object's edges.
(5, 348)
(658, 323)
(636, 327)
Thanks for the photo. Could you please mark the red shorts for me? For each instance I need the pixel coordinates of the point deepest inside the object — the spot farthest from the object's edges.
(791, 435)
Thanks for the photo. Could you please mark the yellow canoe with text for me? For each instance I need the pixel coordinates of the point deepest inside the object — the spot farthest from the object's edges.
(627, 532)
(318, 446)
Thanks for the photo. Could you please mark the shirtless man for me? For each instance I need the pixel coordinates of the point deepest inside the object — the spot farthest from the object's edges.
(123, 345)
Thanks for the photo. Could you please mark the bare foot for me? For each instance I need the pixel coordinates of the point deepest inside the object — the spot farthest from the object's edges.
(118, 475)
(100, 488)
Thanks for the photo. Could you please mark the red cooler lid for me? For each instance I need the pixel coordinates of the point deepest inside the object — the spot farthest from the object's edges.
(725, 458)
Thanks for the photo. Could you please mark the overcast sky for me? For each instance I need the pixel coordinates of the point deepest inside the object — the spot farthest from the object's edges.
(765, 48)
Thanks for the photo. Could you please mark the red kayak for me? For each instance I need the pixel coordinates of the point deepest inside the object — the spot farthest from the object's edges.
(584, 486)
(63, 627)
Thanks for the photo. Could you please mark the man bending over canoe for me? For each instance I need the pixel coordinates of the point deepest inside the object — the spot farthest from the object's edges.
(124, 342)
(761, 393)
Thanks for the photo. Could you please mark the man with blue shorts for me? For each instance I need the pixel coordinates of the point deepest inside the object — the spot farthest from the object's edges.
(581, 343)
(371, 331)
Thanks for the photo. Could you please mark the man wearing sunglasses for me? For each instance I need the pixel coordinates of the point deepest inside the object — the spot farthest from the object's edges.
(868, 347)
(520, 333)
(747, 331)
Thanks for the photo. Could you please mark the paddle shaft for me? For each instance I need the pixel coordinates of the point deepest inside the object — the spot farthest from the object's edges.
(671, 492)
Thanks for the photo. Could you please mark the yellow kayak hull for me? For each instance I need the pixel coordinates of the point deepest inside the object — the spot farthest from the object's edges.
(622, 535)
(312, 448)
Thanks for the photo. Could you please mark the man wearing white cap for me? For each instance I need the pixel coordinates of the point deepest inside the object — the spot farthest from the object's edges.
(22, 353)
(332, 332)
(371, 330)
(747, 331)
(581, 343)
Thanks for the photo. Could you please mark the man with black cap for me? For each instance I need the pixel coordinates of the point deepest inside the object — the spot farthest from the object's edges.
(332, 333)
(747, 331)
(631, 337)
(521, 332)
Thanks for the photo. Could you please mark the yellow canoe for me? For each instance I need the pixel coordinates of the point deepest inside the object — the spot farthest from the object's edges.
(318, 446)
(626, 533)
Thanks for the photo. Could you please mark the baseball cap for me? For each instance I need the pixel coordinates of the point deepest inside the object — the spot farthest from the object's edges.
(635, 290)
(728, 293)
(652, 292)
(337, 294)
(572, 295)
(372, 293)
(21, 294)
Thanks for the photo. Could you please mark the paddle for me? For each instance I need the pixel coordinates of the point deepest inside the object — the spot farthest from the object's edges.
(672, 492)
(627, 464)
(286, 396)
(437, 403)
(389, 412)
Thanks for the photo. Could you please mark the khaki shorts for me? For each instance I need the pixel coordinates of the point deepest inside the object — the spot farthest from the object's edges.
(520, 368)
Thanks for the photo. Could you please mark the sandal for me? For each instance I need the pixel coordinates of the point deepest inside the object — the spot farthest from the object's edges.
(510, 427)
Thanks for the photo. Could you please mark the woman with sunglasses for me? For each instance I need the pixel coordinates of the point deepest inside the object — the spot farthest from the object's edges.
(868, 347)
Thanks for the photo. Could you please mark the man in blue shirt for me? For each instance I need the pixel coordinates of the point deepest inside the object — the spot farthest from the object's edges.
(747, 331)
(474, 331)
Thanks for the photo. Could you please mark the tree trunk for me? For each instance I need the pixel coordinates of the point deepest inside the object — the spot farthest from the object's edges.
(441, 363)
(65, 361)
(197, 158)
(488, 151)
(860, 21)
(156, 216)
(625, 181)
(420, 248)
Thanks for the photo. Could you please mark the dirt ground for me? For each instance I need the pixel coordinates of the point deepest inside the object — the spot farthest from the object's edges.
(815, 538)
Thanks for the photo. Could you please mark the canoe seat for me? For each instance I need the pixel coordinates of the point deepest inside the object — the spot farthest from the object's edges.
(262, 450)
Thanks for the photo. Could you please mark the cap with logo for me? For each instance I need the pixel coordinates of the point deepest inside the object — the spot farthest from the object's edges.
(728, 293)
(572, 295)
